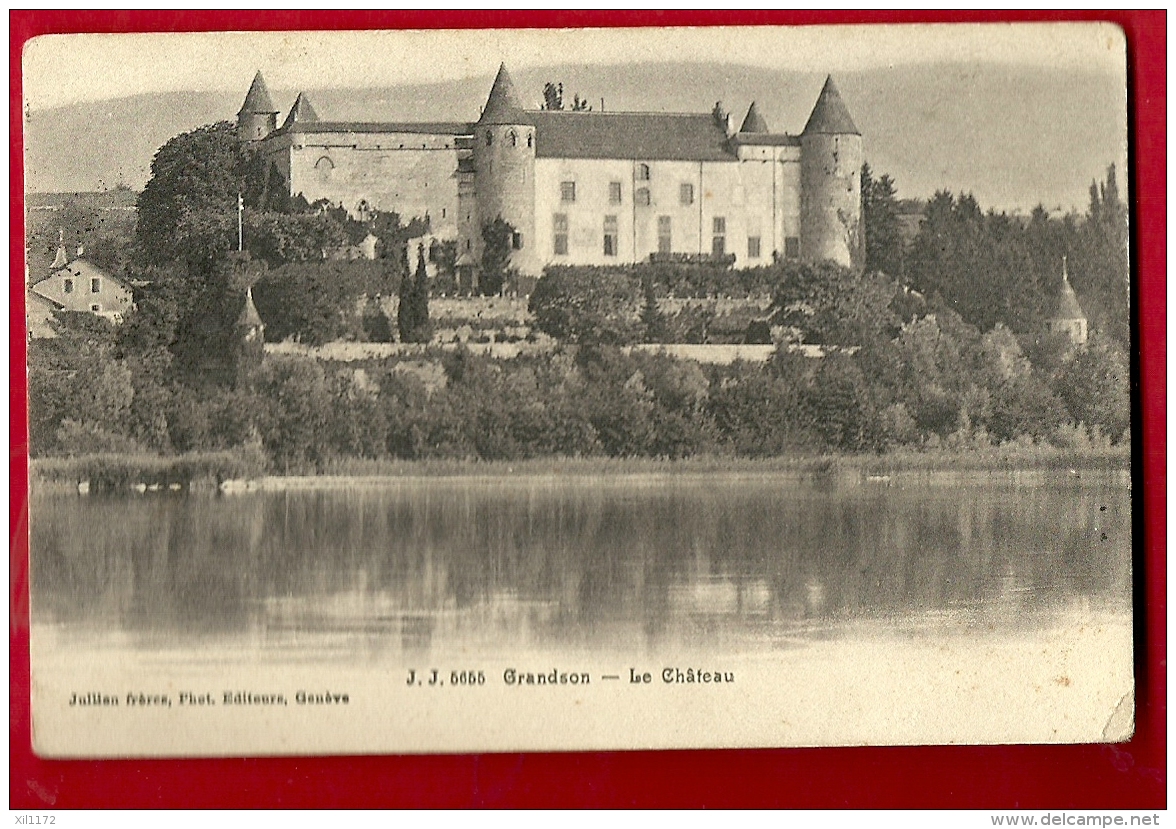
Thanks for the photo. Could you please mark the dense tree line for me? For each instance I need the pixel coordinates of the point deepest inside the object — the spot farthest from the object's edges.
(938, 343)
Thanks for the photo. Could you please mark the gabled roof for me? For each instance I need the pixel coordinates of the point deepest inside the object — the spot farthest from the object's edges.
(249, 317)
(302, 112)
(629, 135)
(829, 115)
(753, 121)
(258, 99)
(503, 106)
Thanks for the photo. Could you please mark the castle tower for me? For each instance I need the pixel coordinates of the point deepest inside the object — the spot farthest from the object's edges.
(258, 116)
(830, 182)
(1068, 317)
(504, 162)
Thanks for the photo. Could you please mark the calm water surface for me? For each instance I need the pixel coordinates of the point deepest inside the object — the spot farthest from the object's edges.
(746, 562)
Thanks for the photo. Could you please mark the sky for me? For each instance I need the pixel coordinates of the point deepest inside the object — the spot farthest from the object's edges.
(68, 69)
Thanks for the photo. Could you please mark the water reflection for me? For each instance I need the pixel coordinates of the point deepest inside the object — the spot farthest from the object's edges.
(737, 561)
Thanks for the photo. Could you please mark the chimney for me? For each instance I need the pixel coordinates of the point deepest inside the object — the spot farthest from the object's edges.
(81, 251)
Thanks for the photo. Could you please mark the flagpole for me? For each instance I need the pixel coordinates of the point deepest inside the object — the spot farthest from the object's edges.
(240, 211)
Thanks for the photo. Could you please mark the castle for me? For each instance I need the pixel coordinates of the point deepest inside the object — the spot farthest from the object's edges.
(585, 188)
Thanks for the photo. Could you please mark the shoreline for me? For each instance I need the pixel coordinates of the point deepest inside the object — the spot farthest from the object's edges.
(194, 473)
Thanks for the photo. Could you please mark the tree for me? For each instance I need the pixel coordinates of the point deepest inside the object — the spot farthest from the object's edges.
(188, 208)
(833, 305)
(553, 99)
(497, 238)
(552, 96)
(412, 317)
(587, 305)
(884, 246)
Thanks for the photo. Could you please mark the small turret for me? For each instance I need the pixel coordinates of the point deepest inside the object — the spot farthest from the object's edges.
(258, 116)
(1068, 317)
(250, 339)
(504, 164)
(831, 186)
(301, 112)
(61, 259)
(753, 121)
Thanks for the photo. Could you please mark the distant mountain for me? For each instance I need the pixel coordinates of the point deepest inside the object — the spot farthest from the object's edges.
(1013, 136)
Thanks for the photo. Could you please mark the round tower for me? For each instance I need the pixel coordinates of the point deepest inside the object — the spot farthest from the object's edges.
(504, 163)
(258, 116)
(831, 183)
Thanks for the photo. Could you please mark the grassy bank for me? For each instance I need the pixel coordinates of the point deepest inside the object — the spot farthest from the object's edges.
(105, 472)
(207, 470)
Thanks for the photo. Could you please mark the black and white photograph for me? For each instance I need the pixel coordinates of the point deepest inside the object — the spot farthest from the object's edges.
(578, 389)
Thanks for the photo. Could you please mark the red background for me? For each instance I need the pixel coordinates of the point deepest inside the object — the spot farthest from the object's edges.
(1131, 775)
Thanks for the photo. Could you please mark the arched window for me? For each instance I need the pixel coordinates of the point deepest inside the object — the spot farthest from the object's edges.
(514, 141)
(323, 168)
(643, 172)
(529, 139)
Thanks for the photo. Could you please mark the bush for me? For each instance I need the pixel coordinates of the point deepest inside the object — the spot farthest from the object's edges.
(588, 305)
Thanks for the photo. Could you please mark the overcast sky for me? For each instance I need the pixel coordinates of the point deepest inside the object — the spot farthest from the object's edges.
(64, 69)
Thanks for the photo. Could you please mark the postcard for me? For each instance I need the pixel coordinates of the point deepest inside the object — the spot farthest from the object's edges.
(552, 390)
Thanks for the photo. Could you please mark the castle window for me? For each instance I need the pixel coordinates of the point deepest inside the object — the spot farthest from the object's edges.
(95, 308)
(641, 197)
(529, 139)
(610, 235)
(719, 236)
(516, 241)
(567, 191)
(95, 284)
(560, 225)
(643, 172)
(489, 138)
(792, 247)
(514, 141)
(614, 192)
(67, 286)
(664, 234)
(323, 168)
(686, 194)
(753, 247)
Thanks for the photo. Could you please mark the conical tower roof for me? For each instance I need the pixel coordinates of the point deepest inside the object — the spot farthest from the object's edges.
(504, 106)
(249, 317)
(1067, 307)
(301, 113)
(829, 115)
(258, 100)
(753, 121)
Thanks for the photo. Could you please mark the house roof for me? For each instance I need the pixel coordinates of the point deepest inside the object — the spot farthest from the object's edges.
(503, 106)
(258, 99)
(302, 112)
(34, 298)
(753, 121)
(629, 135)
(61, 259)
(829, 115)
(418, 127)
(766, 139)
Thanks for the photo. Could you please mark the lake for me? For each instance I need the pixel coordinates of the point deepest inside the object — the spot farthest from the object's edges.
(751, 561)
(847, 587)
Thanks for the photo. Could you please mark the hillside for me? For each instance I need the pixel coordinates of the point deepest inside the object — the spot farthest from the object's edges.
(1013, 136)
